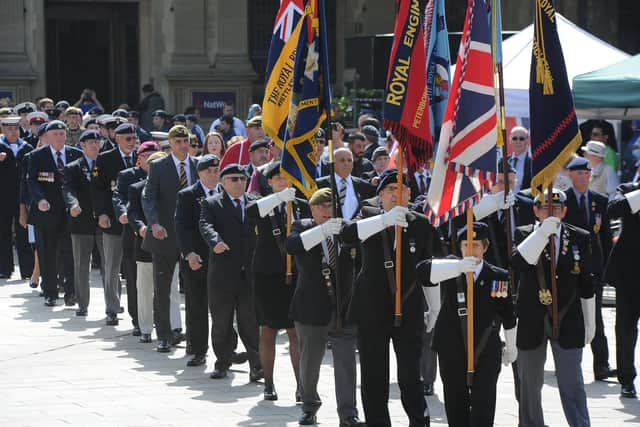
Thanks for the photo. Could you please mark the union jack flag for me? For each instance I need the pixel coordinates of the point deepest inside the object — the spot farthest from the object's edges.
(466, 159)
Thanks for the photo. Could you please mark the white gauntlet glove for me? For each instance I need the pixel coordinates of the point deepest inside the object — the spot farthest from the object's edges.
(317, 234)
(510, 350)
(589, 316)
(491, 203)
(369, 226)
(532, 246)
(444, 269)
(634, 200)
(268, 203)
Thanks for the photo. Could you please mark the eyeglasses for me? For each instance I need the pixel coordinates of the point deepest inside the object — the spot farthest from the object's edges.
(518, 138)
(236, 178)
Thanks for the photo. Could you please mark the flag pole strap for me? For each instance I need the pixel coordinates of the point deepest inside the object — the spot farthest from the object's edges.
(288, 280)
(555, 331)
(470, 332)
(397, 315)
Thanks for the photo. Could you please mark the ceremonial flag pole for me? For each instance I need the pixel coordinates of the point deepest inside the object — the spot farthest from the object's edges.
(397, 316)
(288, 278)
(470, 317)
(555, 327)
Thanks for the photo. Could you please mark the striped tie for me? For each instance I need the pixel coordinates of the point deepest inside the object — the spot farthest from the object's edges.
(332, 253)
(183, 176)
(60, 162)
(342, 192)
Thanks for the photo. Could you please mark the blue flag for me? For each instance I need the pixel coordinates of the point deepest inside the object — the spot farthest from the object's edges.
(438, 64)
(555, 136)
(309, 100)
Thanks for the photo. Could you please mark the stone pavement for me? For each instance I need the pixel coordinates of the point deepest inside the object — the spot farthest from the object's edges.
(59, 369)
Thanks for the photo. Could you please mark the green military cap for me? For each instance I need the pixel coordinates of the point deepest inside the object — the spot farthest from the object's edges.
(322, 195)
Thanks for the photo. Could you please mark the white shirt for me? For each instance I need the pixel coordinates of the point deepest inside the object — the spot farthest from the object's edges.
(478, 270)
(14, 147)
(124, 156)
(206, 190)
(350, 205)
(187, 167)
(55, 155)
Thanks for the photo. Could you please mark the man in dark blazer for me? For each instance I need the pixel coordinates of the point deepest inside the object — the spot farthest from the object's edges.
(622, 272)
(76, 191)
(519, 158)
(119, 199)
(576, 310)
(195, 256)
(12, 152)
(322, 294)
(230, 235)
(166, 177)
(588, 210)
(351, 190)
(48, 214)
(419, 183)
(108, 165)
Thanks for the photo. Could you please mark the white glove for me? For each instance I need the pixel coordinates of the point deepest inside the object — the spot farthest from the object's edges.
(317, 234)
(444, 269)
(510, 351)
(634, 200)
(532, 246)
(369, 226)
(432, 295)
(491, 203)
(268, 203)
(589, 316)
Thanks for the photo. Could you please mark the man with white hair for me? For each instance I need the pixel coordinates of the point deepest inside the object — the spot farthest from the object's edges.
(604, 178)
(520, 159)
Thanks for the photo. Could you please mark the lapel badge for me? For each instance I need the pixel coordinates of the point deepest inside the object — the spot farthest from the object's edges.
(544, 295)
(598, 223)
(113, 185)
(461, 298)
(412, 246)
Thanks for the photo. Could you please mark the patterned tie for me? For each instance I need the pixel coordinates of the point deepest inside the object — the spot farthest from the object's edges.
(514, 162)
(127, 161)
(331, 248)
(60, 162)
(183, 176)
(342, 192)
(583, 209)
(238, 205)
(422, 186)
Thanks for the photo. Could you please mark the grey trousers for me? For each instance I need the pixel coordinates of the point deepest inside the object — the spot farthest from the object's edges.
(570, 384)
(313, 343)
(144, 288)
(429, 360)
(82, 245)
(112, 247)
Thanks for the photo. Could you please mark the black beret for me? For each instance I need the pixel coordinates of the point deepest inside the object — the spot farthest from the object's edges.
(159, 113)
(42, 129)
(96, 111)
(191, 117)
(89, 134)
(233, 168)
(179, 118)
(125, 128)
(272, 170)
(380, 151)
(480, 232)
(55, 125)
(53, 113)
(320, 134)
(133, 113)
(370, 130)
(260, 143)
(389, 176)
(206, 161)
(579, 164)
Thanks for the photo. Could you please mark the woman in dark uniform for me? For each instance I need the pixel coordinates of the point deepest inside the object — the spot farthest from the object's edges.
(271, 289)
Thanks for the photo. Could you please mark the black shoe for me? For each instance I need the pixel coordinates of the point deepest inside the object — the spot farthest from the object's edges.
(298, 397)
(50, 302)
(270, 392)
(41, 294)
(121, 310)
(602, 374)
(218, 374)
(239, 358)
(81, 312)
(69, 300)
(177, 338)
(145, 338)
(136, 332)
(198, 359)
(112, 320)
(628, 390)
(189, 351)
(428, 389)
(255, 374)
(351, 422)
(5, 275)
(163, 346)
(33, 285)
(307, 419)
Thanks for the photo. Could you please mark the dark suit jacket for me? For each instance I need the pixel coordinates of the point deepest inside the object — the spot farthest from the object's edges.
(10, 175)
(229, 271)
(137, 219)
(360, 167)
(45, 182)
(526, 178)
(267, 258)
(76, 190)
(187, 220)
(572, 285)
(621, 268)
(373, 298)
(311, 303)
(601, 240)
(120, 196)
(415, 187)
(108, 165)
(362, 188)
(159, 202)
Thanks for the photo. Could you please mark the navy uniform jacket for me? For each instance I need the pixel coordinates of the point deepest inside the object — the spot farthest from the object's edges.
(230, 270)
(11, 170)
(45, 182)
(373, 298)
(574, 281)
(187, 218)
(489, 311)
(137, 219)
(621, 270)
(311, 303)
(76, 190)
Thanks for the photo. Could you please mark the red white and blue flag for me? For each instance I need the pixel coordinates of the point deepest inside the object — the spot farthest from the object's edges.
(466, 158)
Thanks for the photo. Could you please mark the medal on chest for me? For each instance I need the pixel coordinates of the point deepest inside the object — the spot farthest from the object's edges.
(576, 259)
(499, 289)
(544, 296)
(597, 222)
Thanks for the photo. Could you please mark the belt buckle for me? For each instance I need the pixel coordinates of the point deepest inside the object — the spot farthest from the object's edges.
(462, 311)
(276, 232)
(388, 264)
(326, 272)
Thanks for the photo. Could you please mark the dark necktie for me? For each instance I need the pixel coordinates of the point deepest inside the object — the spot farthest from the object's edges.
(514, 162)
(127, 161)
(422, 186)
(342, 192)
(583, 209)
(210, 192)
(331, 248)
(59, 162)
(89, 169)
(238, 206)
(183, 176)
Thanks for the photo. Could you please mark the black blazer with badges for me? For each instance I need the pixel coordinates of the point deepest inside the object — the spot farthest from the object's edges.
(137, 219)
(120, 196)
(108, 165)
(491, 307)
(311, 303)
(11, 171)
(362, 188)
(230, 270)
(187, 219)
(45, 182)
(574, 281)
(267, 257)
(373, 297)
(76, 190)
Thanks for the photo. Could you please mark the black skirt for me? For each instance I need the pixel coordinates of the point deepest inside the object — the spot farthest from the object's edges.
(272, 300)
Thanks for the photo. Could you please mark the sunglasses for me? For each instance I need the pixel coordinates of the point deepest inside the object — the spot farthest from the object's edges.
(236, 178)
(518, 138)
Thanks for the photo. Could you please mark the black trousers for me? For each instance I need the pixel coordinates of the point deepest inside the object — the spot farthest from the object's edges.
(627, 316)
(55, 255)
(129, 271)
(475, 406)
(8, 224)
(373, 343)
(223, 305)
(164, 265)
(196, 307)
(599, 345)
